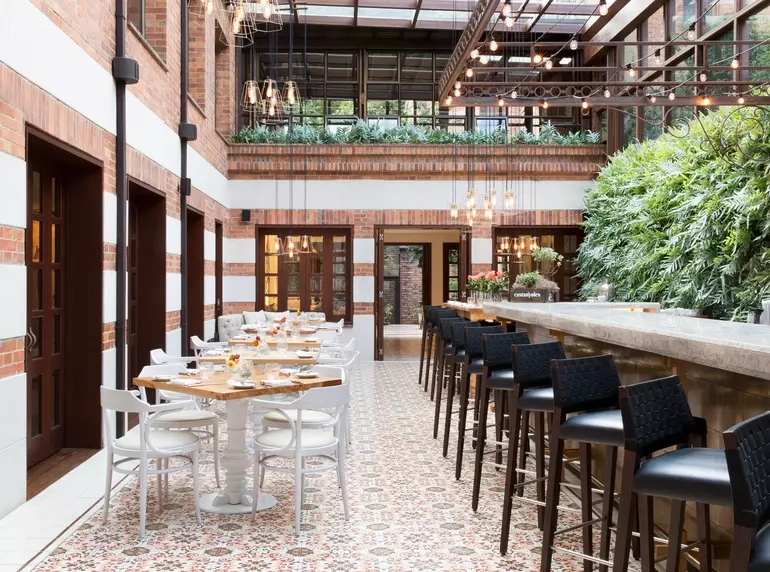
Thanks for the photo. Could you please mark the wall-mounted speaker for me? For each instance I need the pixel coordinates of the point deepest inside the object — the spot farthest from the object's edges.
(245, 215)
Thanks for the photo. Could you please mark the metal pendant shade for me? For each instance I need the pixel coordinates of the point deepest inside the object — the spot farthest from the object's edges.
(272, 101)
(292, 100)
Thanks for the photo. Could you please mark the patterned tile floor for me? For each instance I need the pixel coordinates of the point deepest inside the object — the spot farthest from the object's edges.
(408, 513)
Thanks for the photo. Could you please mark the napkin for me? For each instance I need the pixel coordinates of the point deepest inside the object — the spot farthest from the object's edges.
(193, 371)
(276, 382)
(186, 382)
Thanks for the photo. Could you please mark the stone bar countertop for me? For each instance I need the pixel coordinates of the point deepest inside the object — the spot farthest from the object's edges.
(729, 346)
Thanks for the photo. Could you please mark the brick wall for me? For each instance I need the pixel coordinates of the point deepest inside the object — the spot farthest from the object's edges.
(410, 277)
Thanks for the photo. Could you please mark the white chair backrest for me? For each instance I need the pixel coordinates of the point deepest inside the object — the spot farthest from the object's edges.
(340, 325)
(344, 362)
(327, 336)
(331, 371)
(158, 356)
(333, 397)
(163, 369)
(197, 344)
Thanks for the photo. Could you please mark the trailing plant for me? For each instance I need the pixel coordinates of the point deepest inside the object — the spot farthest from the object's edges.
(528, 279)
(674, 221)
(362, 132)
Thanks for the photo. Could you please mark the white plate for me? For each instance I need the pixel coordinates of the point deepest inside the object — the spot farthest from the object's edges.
(307, 375)
(237, 384)
(312, 340)
(163, 377)
(301, 354)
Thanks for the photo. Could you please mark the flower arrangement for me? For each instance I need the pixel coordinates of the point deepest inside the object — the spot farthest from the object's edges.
(493, 281)
(239, 367)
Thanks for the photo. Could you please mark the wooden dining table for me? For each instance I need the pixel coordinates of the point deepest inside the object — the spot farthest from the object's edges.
(288, 357)
(235, 498)
(273, 342)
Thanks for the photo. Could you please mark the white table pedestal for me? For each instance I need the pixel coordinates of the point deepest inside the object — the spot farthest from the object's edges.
(237, 463)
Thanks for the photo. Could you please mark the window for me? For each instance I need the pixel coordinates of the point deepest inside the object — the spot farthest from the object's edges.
(317, 282)
(451, 271)
(150, 23)
(135, 14)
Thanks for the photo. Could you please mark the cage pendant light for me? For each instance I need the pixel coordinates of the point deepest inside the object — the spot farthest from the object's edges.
(202, 7)
(292, 100)
(251, 101)
(241, 25)
(272, 101)
(266, 15)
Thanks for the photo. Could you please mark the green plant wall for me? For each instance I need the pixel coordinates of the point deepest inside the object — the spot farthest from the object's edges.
(673, 221)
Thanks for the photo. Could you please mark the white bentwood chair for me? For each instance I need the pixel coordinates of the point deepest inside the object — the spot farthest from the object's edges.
(144, 443)
(198, 346)
(300, 440)
(191, 417)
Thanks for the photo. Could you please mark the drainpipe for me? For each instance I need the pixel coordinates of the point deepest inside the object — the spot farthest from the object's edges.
(125, 71)
(187, 132)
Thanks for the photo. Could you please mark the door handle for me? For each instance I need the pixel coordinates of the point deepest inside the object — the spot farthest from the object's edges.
(32, 339)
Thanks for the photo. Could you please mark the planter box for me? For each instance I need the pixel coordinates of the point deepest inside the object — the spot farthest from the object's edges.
(535, 295)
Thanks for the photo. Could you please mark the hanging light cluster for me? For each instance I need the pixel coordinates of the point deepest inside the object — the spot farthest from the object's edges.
(516, 246)
(248, 17)
(269, 102)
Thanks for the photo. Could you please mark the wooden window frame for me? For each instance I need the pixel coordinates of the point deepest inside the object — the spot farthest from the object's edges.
(327, 275)
(445, 265)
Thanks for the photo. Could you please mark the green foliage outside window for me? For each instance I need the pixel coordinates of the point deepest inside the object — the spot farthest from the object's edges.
(672, 221)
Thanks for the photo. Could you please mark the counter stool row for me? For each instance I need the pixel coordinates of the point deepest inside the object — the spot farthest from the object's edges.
(584, 402)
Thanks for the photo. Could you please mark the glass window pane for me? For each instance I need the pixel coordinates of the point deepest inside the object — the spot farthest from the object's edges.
(37, 197)
(293, 304)
(37, 332)
(417, 67)
(37, 255)
(56, 288)
(56, 397)
(759, 56)
(56, 243)
(340, 284)
(316, 284)
(271, 303)
(339, 305)
(271, 285)
(342, 67)
(37, 290)
(56, 334)
(271, 264)
(56, 200)
(316, 304)
(382, 67)
(36, 405)
(292, 285)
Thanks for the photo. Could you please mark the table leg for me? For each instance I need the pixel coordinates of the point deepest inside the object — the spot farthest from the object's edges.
(237, 462)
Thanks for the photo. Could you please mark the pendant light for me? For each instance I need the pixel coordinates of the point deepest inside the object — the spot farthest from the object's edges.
(272, 101)
(251, 101)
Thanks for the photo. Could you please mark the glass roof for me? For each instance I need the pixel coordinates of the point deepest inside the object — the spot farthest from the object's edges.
(560, 16)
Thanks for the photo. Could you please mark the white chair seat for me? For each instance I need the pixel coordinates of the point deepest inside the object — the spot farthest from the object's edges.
(308, 416)
(187, 415)
(159, 439)
(311, 438)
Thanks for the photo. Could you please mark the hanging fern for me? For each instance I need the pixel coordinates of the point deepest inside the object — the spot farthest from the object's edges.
(671, 221)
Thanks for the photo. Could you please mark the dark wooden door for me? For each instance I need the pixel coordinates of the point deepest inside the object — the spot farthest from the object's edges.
(132, 327)
(451, 264)
(45, 363)
(217, 277)
(379, 298)
(465, 263)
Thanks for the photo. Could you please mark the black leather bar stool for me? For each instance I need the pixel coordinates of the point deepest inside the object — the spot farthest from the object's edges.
(457, 358)
(589, 387)
(472, 365)
(424, 345)
(435, 315)
(747, 449)
(444, 365)
(656, 416)
(497, 380)
(532, 394)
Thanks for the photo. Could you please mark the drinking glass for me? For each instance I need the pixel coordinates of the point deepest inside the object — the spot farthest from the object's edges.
(207, 370)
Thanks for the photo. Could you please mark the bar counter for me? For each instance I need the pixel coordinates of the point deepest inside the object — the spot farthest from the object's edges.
(724, 366)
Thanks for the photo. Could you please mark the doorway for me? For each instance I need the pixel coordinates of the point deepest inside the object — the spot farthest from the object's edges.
(195, 280)
(64, 252)
(146, 327)
(411, 270)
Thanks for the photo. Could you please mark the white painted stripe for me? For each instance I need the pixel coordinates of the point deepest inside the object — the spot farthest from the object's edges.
(363, 289)
(173, 292)
(109, 358)
(363, 332)
(174, 343)
(239, 250)
(109, 299)
(208, 329)
(209, 245)
(481, 251)
(390, 195)
(13, 477)
(363, 250)
(13, 410)
(13, 294)
(209, 290)
(13, 172)
(173, 235)
(239, 288)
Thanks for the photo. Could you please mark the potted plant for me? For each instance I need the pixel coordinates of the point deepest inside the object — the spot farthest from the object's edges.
(534, 287)
(547, 259)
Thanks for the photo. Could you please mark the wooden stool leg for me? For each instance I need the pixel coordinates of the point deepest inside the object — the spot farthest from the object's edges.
(476, 394)
(675, 535)
(703, 514)
(429, 344)
(540, 465)
(522, 453)
(439, 390)
(449, 406)
(465, 393)
(499, 417)
(554, 492)
(610, 464)
(480, 441)
(438, 361)
(623, 537)
(422, 353)
(586, 503)
(646, 542)
(514, 419)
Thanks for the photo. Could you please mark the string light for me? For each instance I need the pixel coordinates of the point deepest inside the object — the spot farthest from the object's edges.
(657, 57)
(469, 72)
(474, 53)
(603, 9)
(500, 100)
(448, 100)
(584, 104)
(484, 59)
(453, 210)
(607, 92)
(514, 94)
(631, 70)
(458, 85)
(651, 98)
(506, 9)
(573, 44)
(457, 93)
(705, 100)
(548, 64)
(508, 22)
(537, 58)
(672, 96)
(493, 45)
(734, 64)
(741, 100)
(545, 104)
(691, 32)
(703, 76)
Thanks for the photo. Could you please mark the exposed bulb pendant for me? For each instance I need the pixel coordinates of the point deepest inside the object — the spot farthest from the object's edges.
(506, 9)
(631, 70)
(607, 92)
(508, 22)
(548, 64)
(484, 59)
(603, 9)
(691, 32)
(493, 45)
(252, 93)
(210, 7)
(469, 72)
(735, 64)
(268, 11)
(672, 96)
(453, 210)
(236, 26)
(537, 58)
(474, 53)
(657, 57)
(573, 44)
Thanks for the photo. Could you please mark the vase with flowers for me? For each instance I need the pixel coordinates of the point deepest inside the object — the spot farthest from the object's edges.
(238, 367)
